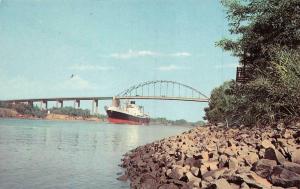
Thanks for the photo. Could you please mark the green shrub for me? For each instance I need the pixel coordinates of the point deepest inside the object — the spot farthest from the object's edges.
(220, 104)
(71, 111)
(271, 97)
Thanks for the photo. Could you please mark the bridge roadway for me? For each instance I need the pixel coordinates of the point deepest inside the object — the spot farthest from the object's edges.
(56, 99)
(60, 100)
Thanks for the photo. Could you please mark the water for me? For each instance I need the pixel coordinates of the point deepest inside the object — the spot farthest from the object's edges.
(69, 154)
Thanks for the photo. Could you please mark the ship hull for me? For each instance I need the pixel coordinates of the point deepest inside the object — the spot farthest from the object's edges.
(123, 118)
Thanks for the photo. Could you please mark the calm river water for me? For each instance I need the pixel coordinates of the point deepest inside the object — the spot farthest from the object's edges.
(69, 154)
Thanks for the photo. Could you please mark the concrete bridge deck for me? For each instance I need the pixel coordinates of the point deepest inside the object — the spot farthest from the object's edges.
(60, 100)
(106, 98)
(56, 99)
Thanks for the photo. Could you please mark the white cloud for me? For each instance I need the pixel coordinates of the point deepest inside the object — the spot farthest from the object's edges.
(89, 67)
(146, 53)
(222, 66)
(181, 54)
(133, 54)
(170, 67)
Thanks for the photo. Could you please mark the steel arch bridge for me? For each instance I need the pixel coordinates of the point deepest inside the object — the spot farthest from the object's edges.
(163, 90)
(152, 90)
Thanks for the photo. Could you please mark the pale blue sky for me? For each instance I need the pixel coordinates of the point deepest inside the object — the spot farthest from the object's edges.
(111, 45)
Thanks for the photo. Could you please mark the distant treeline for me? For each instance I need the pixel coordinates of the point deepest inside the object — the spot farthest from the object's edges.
(85, 113)
(25, 109)
(165, 121)
(35, 111)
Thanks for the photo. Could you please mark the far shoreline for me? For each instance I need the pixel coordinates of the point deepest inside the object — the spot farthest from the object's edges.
(91, 121)
(12, 113)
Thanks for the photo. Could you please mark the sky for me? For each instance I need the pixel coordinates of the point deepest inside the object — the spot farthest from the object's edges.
(110, 45)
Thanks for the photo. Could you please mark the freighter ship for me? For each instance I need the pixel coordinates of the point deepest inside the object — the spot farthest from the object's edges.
(129, 113)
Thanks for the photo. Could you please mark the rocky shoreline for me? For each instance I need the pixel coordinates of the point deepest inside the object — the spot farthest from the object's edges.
(218, 157)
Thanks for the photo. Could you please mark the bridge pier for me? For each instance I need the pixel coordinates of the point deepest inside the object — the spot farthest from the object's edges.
(44, 105)
(30, 103)
(77, 103)
(94, 107)
(96, 102)
(61, 102)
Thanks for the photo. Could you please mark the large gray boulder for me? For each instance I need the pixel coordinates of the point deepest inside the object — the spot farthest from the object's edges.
(295, 167)
(284, 177)
(264, 167)
(274, 154)
(251, 179)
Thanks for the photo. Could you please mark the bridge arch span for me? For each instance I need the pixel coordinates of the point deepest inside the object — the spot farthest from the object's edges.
(163, 89)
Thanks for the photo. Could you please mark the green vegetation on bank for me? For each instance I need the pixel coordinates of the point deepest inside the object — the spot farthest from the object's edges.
(25, 109)
(266, 41)
(181, 122)
(35, 111)
(85, 113)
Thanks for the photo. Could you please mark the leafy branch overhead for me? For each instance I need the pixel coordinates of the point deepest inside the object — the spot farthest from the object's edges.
(266, 39)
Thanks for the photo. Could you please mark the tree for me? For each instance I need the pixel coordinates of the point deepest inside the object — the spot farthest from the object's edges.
(259, 26)
(220, 104)
(266, 40)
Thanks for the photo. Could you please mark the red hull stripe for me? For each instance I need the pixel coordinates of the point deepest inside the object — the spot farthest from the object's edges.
(122, 121)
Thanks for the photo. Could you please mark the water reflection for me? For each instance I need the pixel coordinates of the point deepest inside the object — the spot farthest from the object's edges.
(53, 154)
(133, 136)
(116, 140)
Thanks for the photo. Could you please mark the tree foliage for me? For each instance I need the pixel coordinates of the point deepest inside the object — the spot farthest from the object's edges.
(220, 103)
(258, 27)
(267, 39)
(35, 111)
(71, 111)
(181, 122)
(25, 109)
